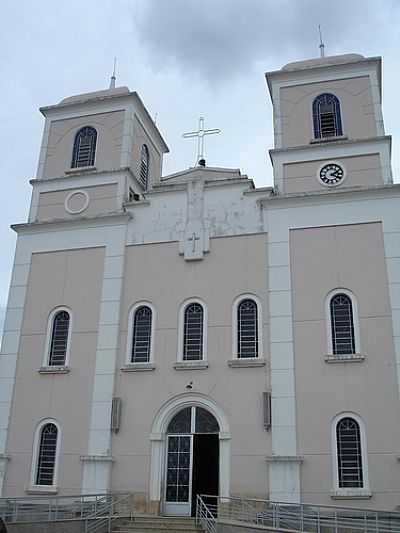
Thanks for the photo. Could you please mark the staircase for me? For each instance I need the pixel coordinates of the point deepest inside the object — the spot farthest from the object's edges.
(157, 524)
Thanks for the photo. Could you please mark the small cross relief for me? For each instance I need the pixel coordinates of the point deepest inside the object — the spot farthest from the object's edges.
(194, 244)
(193, 240)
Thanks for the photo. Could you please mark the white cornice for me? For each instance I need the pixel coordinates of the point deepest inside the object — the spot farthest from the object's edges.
(65, 224)
(348, 194)
(324, 147)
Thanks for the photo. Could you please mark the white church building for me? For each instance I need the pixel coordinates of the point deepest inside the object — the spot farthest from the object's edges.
(184, 334)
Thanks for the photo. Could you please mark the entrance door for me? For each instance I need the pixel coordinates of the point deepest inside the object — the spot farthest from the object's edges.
(179, 470)
(192, 460)
(205, 468)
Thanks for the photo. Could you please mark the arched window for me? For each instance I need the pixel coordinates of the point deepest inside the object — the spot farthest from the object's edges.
(141, 340)
(84, 147)
(326, 116)
(46, 455)
(193, 332)
(342, 325)
(59, 338)
(349, 454)
(144, 166)
(247, 329)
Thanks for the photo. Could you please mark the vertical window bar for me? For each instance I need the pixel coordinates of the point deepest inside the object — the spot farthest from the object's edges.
(141, 342)
(326, 116)
(342, 324)
(59, 339)
(350, 472)
(84, 151)
(144, 166)
(247, 329)
(47, 455)
(193, 332)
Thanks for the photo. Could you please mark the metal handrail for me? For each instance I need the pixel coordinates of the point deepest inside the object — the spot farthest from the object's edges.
(295, 516)
(103, 517)
(53, 508)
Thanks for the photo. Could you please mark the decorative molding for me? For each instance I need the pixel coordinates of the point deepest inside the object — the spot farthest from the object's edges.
(138, 367)
(39, 227)
(247, 362)
(351, 494)
(348, 358)
(81, 170)
(41, 489)
(191, 365)
(71, 195)
(54, 370)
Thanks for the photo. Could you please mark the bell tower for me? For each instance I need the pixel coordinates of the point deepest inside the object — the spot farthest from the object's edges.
(99, 151)
(328, 125)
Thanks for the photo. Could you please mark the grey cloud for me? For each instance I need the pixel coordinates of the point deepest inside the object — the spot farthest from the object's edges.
(218, 39)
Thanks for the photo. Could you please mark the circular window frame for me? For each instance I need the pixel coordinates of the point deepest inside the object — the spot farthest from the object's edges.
(332, 185)
(68, 198)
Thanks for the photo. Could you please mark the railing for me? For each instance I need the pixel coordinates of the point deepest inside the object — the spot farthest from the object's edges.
(103, 517)
(53, 508)
(299, 517)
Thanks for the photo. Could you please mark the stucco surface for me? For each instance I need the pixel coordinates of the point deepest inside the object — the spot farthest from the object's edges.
(359, 171)
(140, 137)
(72, 279)
(109, 128)
(350, 257)
(101, 199)
(357, 110)
(178, 280)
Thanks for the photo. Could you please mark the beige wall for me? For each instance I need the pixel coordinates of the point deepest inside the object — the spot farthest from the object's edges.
(109, 128)
(350, 257)
(156, 273)
(102, 199)
(357, 109)
(72, 279)
(360, 171)
(140, 137)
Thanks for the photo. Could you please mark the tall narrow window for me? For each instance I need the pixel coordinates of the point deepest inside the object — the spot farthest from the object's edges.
(247, 329)
(141, 342)
(326, 116)
(84, 147)
(46, 460)
(59, 339)
(349, 454)
(144, 166)
(193, 332)
(342, 325)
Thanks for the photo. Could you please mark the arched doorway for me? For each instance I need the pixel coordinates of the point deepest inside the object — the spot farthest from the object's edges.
(191, 459)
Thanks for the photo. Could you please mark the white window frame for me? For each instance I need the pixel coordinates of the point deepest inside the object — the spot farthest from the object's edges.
(129, 336)
(237, 301)
(353, 492)
(356, 324)
(35, 457)
(50, 320)
(181, 330)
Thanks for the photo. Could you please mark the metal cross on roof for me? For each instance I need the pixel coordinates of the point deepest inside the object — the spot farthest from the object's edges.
(200, 134)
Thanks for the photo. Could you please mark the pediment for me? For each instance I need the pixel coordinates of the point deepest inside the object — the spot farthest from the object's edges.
(206, 174)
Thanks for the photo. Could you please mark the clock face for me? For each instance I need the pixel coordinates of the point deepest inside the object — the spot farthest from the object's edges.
(331, 174)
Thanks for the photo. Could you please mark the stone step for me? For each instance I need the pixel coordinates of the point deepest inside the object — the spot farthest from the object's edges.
(130, 527)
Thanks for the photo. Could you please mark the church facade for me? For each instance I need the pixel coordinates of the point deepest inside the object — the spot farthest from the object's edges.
(184, 334)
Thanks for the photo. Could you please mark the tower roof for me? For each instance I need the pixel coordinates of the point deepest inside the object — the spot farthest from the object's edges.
(323, 61)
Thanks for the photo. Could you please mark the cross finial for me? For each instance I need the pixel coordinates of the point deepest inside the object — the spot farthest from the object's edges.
(200, 134)
(113, 77)
(321, 43)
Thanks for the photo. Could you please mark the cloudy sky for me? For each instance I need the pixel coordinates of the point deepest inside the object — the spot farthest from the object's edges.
(185, 58)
